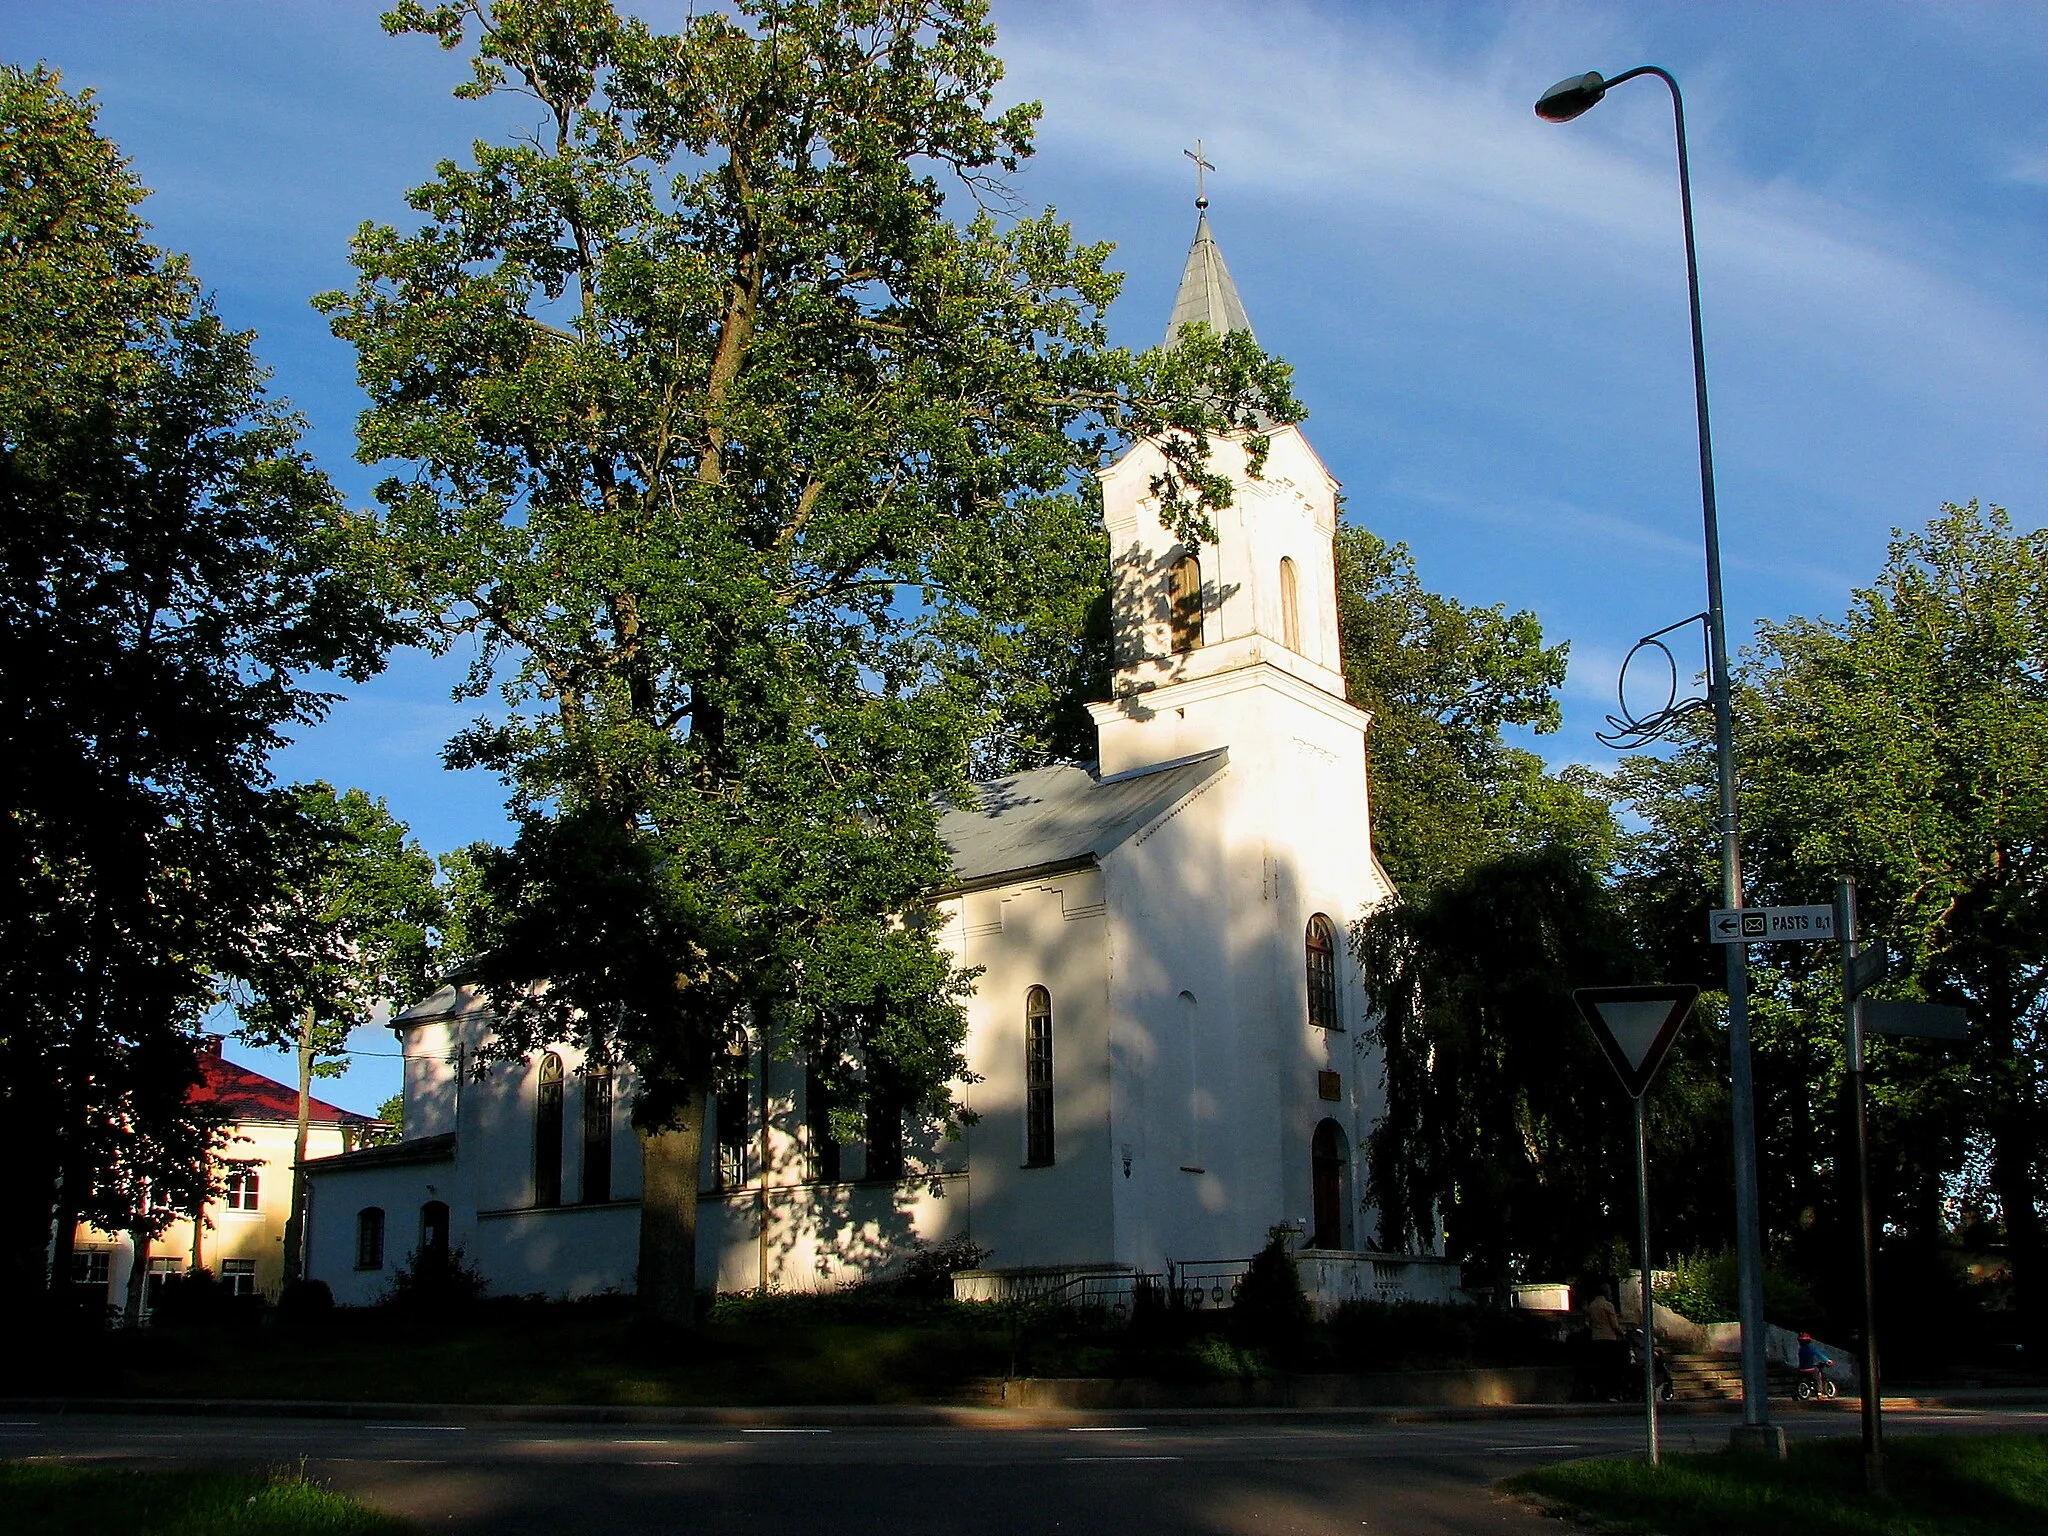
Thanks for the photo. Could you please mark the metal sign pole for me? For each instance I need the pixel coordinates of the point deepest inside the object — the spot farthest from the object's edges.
(1649, 1305)
(1873, 1401)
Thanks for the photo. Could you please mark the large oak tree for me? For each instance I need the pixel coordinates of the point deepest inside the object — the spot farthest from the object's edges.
(747, 474)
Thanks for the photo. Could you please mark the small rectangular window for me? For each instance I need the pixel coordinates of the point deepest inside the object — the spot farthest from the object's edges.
(92, 1267)
(370, 1238)
(244, 1187)
(239, 1276)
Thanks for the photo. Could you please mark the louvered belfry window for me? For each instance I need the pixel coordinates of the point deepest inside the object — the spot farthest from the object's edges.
(1184, 604)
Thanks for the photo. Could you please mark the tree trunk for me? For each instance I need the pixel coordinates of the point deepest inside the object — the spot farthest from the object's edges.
(671, 1158)
(138, 1278)
(295, 1219)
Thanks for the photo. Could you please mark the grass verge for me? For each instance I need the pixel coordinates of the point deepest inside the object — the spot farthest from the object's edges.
(1992, 1485)
(48, 1498)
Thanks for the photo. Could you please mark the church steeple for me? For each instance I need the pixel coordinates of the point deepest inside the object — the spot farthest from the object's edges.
(1206, 292)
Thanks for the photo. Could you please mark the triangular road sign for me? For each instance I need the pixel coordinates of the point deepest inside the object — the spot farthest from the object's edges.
(1635, 1027)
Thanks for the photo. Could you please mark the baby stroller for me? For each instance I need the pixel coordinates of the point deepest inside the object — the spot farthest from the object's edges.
(1665, 1390)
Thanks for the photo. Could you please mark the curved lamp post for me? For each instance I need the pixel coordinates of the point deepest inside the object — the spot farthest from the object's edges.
(1560, 104)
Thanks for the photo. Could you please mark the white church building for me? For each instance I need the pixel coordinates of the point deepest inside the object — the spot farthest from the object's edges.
(1167, 1032)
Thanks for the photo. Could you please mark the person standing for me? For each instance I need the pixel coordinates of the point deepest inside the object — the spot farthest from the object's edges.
(1609, 1343)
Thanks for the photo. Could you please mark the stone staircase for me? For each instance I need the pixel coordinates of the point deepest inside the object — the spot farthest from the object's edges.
(1718, 1378)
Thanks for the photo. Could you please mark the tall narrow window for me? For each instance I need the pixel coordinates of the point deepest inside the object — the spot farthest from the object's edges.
(547, 1133)
(1322, 974)
(1290, 606)
(370, 1237)
(1038, 1128)
(1184, 603)
(734, 1091)
(434, 1235)
(885, 1126)
(597, 1137)
(823, 1145)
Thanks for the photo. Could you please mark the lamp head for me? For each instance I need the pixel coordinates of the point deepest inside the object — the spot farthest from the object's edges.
(1568, 98)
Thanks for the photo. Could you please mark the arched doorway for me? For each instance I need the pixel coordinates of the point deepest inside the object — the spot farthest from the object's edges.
(1330, 1156)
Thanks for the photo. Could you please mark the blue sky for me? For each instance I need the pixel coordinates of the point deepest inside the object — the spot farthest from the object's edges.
(1486, 312)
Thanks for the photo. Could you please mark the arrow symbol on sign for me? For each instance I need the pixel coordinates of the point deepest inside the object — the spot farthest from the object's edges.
(1728, 924)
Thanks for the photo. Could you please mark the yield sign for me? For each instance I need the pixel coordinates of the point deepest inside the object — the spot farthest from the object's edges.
(1635, 1027)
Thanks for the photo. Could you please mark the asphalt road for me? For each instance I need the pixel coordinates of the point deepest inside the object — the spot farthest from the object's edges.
(1122, 1475)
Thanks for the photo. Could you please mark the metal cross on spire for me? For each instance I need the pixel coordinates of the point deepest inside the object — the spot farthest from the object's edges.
(1201, 166)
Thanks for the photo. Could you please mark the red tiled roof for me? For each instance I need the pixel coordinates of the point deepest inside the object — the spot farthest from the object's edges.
(245, 1095)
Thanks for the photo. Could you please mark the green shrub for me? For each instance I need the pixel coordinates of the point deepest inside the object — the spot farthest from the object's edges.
(1272, 1310)
(1703, 1289)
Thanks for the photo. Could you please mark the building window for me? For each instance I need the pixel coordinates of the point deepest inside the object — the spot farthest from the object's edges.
(547, 1133)
(1322, 974)
(92, 1270)
(597, 1138)
(370, 1237)
(1290, 606)
(434, 1235)
(160, 1272)
(731, 1109)
(239, 1276)
(243, 1186)
(885, 1127)
(1038, 1125)
(821, 1143)
(1184, 603)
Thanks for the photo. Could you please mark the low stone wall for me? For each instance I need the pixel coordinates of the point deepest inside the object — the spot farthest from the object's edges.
(1331, 1279)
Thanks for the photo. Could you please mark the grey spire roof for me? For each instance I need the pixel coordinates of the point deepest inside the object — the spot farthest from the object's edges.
(1206, 292)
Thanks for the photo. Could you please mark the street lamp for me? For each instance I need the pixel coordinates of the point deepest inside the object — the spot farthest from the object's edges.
(1560, 104)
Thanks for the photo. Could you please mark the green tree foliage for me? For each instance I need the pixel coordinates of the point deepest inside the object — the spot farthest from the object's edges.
(166, 581)
(755, 484)
(1905, 744)
(350, 923)
(1503, 1120)
(1503, 1124)
(1441, 681)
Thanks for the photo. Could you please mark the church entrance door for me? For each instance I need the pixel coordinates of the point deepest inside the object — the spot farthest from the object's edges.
(1330, 1185)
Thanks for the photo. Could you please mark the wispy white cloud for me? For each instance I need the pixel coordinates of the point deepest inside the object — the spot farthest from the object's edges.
(1361, 124)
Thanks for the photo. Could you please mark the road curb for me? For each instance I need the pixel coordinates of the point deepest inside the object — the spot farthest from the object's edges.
(940, 1415)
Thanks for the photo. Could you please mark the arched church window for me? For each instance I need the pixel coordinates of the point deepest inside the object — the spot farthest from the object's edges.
(1184, 600)
(370, 1237)
(547, 1132)
(1038, 1123)
(433, 1236)
(1290, 606)
(1321, 945)
(1330, 1186)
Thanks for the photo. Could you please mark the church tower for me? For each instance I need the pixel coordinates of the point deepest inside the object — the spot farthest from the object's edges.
(1257, 606)
(1232, 964)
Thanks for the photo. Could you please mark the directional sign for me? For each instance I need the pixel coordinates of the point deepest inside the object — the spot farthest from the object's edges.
(1770, 925)
(1635, 1027)
(1867, 970)
(1931, 1021)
